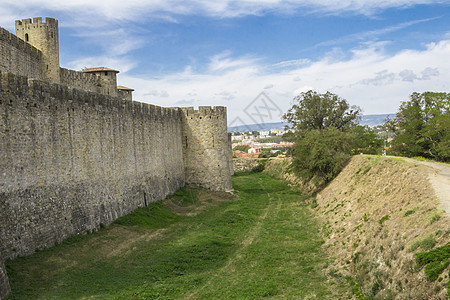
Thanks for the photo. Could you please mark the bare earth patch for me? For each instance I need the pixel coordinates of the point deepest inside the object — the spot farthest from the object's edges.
(439, 176)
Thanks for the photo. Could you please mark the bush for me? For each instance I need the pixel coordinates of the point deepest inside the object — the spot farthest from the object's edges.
(383, 219)
(425, 244)
(409, 212)
(435, 261)
(421, 127)
(243, 148)
(322, 153)
(260, 166)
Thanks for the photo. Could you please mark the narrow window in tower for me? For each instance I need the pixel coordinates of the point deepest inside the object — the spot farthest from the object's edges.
(26, 37)
(52, 34)
(106, 73)
(213, 142)
(185, 142)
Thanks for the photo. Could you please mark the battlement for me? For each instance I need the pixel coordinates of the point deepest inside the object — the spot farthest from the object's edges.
(18, 43)
(36, 21)
(79, 80)
(34, 52)
(205, 111)
(32, 88)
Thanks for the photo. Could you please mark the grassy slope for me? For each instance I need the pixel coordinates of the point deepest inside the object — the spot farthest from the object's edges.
(376, 216)
(378, 213)
(263, 244)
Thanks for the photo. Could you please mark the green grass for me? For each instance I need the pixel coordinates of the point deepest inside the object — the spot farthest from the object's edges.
(409, 212)
(435, 261)
(155, 215)
(266, 243)
(425, 244)
(383, 219)
(187, 195)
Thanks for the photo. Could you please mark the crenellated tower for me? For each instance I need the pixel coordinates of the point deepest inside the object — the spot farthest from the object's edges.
(206, 148)
(44, 36)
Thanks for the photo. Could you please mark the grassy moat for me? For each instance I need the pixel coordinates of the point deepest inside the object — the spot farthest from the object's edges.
(195, 245)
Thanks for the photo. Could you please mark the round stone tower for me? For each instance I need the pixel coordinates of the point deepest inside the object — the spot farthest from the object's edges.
(206, 148)
(108, 79)
(44, 36)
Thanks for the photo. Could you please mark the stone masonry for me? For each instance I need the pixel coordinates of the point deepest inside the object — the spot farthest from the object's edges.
(206, 148)
(4, 284)
(74, 157)
(34, 52)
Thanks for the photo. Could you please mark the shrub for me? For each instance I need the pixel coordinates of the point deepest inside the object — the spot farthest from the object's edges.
(260, 166)
(436, 217)
(425, 244)
(321, 153)
(435, 261)
(409, 212)
(385, 218)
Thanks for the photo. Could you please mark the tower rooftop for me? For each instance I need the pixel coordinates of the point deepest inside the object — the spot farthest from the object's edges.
(99, 69)
(124, 88)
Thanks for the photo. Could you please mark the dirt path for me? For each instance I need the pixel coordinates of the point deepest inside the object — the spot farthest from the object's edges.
(439, 176)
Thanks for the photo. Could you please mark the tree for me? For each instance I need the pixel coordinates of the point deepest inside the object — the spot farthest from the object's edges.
(312, 110)
(321, 126)
(322, 153)
(422, 126)
(365, 141)
(243, 148)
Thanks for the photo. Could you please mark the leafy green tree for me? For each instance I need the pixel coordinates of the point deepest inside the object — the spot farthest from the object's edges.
(312, 110)
(422, 126)
(267, 153)
(365, 141)
(243, 148)
(322, 153)
(321, 129)
(271, 139)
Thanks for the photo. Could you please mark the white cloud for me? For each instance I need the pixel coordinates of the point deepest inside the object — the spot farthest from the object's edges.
(372, 35)
(91, 13)
(428, 73)
(408, 75)
(381, 78)
(118, 63)
(370, 78)
(223, 62)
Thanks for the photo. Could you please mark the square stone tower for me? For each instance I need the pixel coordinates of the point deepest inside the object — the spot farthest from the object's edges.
(44, 36)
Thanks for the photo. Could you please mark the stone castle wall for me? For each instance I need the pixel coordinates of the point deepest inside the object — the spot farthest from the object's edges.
(22, 58)
(79, 80)
(4, 284)
(206, 148)
(19, 57)
(71, 160)
(73, 156)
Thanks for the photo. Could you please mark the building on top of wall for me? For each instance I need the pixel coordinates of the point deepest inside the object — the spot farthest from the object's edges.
(107, 78)
(34, 52)
(125, 93)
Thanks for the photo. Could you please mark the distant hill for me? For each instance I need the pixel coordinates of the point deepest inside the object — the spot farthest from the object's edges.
(257, 127)
(374, 120)
(369, 120)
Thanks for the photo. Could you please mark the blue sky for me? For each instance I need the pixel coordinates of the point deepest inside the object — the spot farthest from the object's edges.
(192, 53)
